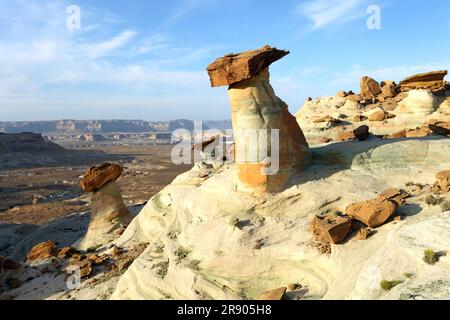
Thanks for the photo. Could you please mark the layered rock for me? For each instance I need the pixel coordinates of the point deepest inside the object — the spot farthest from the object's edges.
(96, 177)
(42, 251)
(270, 146)
(234, 68)
(418, 103)
(109, 215)
(430, 80)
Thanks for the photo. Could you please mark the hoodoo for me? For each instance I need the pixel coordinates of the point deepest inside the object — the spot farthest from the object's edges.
(269, 144)
(109, 214)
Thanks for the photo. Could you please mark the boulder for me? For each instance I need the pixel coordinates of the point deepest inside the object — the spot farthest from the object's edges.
(380, 115)
(369, 88)
(276, 294)
(42, 251)
(443, 180)
(354, 97)
(372, 213)
(346, 136)
(430, 81)
(388, 89)
(359, 118)
(342, 94)
(361, 133)
(9, 264)
(96, 177)
(234, 68)
(440, 127)
(331, 228)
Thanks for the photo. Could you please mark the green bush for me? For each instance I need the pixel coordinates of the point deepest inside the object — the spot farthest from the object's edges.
(387, 285)
(430, 256)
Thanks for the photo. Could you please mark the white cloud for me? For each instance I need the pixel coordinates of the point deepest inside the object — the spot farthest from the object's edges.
(99, 50)
(184, 7)
(325, 12)
(99, 71)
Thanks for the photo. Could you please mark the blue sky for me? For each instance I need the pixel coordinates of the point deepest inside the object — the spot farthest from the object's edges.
(141, 59)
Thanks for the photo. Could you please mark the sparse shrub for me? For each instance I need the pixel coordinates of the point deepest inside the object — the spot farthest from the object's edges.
(432, 201)
(387, 285)
(430, 256)
(445, 206)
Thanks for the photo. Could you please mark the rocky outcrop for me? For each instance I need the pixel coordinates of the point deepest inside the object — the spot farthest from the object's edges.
(258, 116)
(430, 80)
(109, 216)
(370, 89)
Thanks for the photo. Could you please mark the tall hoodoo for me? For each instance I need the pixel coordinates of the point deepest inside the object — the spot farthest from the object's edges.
(109, 213)
(266, 163)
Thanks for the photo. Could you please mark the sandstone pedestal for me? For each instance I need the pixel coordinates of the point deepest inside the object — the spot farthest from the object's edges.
(270, 146)
(109, 214)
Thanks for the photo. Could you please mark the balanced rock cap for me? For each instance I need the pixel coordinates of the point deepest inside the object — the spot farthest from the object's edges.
(97, 177)
(234, 68)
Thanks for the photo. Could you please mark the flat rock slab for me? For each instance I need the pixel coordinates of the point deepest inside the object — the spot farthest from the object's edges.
(97, 177)
(234, 68)
(372, 213)
(433, 80)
